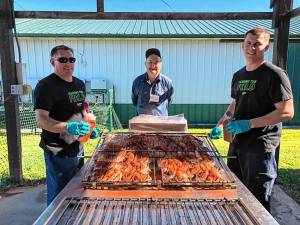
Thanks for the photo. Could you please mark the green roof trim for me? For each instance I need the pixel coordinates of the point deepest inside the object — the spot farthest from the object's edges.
(144, 28)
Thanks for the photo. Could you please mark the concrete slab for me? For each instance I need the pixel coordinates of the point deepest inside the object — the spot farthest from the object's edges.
(284, 209)
(23, 205)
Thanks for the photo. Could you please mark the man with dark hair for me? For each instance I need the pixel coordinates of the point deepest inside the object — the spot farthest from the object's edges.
(261, 100)
(60, 47)
(152, 91)
(59, 108)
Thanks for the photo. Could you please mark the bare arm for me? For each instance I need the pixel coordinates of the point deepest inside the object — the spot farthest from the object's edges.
(45, 122)
(230, 109)
(284, 111)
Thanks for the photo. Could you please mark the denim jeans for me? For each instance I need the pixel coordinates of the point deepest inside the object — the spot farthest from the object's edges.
(59, 171)
(257, 171)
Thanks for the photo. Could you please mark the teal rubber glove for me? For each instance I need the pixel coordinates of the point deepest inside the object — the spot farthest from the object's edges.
(216, 133)
(238, 126)
(95, 134)
(78, 128)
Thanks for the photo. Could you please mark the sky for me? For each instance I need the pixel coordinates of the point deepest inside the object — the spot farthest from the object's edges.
(148, 5)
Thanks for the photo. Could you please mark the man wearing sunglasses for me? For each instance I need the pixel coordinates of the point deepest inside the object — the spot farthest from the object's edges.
(59, 108)
(152, 91)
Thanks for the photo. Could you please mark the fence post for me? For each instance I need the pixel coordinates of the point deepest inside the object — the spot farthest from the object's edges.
(9, 77)
(111, 100)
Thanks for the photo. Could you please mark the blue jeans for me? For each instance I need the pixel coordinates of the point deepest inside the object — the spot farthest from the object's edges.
(59, 171)
(257, 171)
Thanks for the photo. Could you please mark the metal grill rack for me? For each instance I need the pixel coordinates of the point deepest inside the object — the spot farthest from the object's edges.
(112, 144)
(148, 211)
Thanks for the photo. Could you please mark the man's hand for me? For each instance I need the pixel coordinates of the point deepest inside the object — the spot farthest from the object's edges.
(216, 133)
(95, 134)
(238, 126)
(78, 128)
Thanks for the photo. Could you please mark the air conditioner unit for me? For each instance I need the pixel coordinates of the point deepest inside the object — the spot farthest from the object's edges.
(98, 84)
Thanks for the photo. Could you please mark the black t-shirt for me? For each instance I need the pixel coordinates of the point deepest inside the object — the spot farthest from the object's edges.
(62, 100)
(255, 93)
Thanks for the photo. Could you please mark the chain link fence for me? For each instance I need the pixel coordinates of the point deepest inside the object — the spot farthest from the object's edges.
(32, 155)
(4, 171)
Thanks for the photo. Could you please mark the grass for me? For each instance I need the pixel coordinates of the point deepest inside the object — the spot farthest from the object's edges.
(289, 163)
(34, 167)
(32, 160)
(289, 160)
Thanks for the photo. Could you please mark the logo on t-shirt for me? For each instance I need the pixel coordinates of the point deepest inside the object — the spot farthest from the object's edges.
(76, 96)
(246, 85)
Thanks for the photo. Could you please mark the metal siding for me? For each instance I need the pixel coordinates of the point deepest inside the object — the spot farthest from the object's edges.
(201, 69)
(195, 114)
(294, 75)
(145, 28)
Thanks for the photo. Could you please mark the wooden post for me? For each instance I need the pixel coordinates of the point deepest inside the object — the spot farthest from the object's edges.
(9, 77)
(111, 100)
(100, 6)
(295, 12)
(143, 15)
(281, 24)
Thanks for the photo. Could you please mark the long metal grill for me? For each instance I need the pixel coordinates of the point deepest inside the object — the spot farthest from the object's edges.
(161, 154)
(147, 211)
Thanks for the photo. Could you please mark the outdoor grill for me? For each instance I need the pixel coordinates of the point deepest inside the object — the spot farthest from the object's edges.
(171, 160)
(151, 211)
(104, 193)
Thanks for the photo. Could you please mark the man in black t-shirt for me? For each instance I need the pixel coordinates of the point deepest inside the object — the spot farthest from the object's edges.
(261, 100)
(59, 108)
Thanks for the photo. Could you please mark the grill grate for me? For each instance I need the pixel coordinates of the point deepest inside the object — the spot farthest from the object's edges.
(147, 211)
(155, 152)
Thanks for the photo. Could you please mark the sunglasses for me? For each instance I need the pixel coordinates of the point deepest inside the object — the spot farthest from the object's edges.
(65, 59)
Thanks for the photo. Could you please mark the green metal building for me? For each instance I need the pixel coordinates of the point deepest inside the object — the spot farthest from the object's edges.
(200, 56)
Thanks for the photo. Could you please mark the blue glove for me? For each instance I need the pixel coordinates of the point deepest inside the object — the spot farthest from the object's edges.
(238, 126)
(78, 128)
(215, 133)
(95, 134)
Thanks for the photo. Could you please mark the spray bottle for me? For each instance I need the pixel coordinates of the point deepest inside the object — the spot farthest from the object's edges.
(89, 118)
(227, 136)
